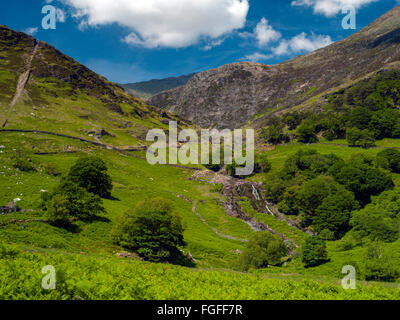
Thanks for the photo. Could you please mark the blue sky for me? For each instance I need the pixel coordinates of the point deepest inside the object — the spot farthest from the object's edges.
(136, 40)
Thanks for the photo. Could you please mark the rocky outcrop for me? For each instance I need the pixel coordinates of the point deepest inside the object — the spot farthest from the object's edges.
(230, 96)
(10, 208)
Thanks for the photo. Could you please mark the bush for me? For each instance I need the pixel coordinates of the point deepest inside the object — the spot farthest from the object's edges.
(152, 229)
(91, 173)
(314, 252)
(263, 250)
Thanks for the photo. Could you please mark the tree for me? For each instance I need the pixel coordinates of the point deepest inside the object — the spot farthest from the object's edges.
(152, 229)
(263, 249)
(360, 138)
(91, 173)
(379, 221)
(306, 132)
(312, 194)
(314, 252)
(76, 200)
(261, 164)
(274, 135)
(363, 180)
(334, 213)
(389, 159)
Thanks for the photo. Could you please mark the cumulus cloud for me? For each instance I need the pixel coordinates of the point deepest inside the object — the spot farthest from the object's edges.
(330, 8)
(161, 23)
(263, 33)
(302, 43)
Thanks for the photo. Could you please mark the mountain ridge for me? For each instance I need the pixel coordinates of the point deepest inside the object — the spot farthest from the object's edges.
(233, 94)
(147, 89)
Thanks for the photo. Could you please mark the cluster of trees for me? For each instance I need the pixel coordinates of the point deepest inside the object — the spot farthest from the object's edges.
(79, 194)
(324, 190)
(152, 228)
(362, 114)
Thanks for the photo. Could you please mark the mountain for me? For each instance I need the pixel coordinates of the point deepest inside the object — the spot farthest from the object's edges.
(246, 93)
(147, 89)
(43, 89)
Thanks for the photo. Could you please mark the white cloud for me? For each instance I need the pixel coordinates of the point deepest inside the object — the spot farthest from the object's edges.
(257, 57)
(161, 23)
(263, 33)
(31, 31)
(302, 43)
(330, 8)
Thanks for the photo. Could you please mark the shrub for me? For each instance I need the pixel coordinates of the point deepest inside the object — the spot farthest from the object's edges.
(91, 173)
(262, 250)
(314, 252)
(152, 229)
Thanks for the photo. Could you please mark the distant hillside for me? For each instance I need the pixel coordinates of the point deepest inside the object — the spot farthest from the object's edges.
(233, 95)
(147, 89)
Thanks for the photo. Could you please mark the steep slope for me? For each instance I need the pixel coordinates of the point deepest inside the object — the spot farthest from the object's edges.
(233, 94)
(43, 89)
(147, 89)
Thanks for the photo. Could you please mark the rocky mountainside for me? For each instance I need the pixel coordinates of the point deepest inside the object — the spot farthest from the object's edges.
(235, 94)
(150, 88)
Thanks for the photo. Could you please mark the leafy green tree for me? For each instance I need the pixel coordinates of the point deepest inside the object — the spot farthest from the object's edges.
(334, 213)
(152, 229)
(290, 202)
(79, 202)
(311, 195)
(274, 188)
(91, 173)
(379, 221)
(363, 180)
(360, 138)
(274, 135)
(263, 249)
(389, 159)
(306, 132)
(314, 252)
(333, 127)
(262, 164)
